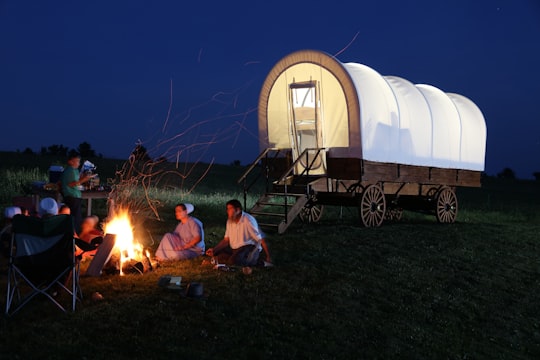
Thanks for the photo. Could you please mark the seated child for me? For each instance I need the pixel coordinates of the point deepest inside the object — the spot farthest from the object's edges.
(90, 233)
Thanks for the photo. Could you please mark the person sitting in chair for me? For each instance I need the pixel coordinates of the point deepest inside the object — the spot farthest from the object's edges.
(47, 207)
(64, 209)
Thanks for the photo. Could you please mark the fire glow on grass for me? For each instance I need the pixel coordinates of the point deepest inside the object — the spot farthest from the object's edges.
(126, 244)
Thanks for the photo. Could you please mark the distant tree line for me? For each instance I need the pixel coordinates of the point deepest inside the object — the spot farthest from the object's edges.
(508, 173)
(84, 148)
(139, 153)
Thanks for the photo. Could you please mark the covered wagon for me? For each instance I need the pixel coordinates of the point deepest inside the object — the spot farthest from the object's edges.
(335, 133)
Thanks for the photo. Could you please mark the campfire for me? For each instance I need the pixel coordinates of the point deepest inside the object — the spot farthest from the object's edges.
(132, 257)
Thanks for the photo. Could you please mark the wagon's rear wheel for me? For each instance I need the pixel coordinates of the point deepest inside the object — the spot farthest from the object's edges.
(446, 205)
(311, 212)
(372, 206)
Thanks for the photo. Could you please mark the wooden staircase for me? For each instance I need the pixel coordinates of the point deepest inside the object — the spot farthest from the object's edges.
(277, 210)
(286, 196)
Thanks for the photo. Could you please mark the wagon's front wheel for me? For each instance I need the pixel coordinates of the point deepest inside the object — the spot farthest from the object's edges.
(311, 213)
(372, 206)
(446, 205)
(394, 214)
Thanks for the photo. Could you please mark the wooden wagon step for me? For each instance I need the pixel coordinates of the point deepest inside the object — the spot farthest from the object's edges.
(289, 192)
(264, 206)
(264, 213)
(274, 203)
(282, 194)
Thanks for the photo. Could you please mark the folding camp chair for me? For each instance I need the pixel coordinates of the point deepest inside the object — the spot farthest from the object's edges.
(42, 259)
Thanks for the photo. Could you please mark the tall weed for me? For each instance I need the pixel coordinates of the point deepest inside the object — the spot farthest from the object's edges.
(18, 182)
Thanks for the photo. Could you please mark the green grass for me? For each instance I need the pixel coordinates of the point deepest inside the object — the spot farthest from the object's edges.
(413, 289)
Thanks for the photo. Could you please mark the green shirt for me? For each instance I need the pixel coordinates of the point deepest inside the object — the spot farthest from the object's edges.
(69, 175)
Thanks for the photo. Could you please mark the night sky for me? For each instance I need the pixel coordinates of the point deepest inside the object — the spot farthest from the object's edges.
(185, 78)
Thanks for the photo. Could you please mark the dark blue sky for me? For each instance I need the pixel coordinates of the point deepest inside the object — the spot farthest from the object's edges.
(186, 77)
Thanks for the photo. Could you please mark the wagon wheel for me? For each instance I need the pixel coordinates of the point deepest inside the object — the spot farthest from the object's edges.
(394, 213)
(372, 206)
(447, 206)
(311, 212)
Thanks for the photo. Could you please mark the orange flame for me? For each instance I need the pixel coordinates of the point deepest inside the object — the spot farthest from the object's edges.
(126, 244)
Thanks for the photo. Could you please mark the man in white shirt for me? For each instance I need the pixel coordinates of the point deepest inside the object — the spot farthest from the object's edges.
(243, 241)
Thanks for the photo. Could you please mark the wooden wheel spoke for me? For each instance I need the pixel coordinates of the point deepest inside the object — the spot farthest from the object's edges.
(316, 212)
(376, 218)
(379, 197)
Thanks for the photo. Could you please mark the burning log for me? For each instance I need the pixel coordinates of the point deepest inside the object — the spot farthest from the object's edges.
(136, 267)
(132, 267)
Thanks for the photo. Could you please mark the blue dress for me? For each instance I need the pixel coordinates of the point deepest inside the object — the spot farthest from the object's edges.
(172, 245)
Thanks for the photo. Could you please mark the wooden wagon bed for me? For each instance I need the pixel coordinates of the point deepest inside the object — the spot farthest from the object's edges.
(381, 191)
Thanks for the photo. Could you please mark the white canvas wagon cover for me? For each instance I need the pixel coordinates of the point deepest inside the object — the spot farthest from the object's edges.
(365, 115)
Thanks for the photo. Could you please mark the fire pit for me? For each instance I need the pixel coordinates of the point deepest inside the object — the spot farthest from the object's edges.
(129, 256)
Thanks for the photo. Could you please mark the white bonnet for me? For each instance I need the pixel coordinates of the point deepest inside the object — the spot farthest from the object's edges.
(48, 206)
(189, 207)
(11, 211)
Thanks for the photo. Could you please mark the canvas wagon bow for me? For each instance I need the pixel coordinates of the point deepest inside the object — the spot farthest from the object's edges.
(335, 133)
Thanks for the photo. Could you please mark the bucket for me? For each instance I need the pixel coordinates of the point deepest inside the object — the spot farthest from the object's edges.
(55, 172)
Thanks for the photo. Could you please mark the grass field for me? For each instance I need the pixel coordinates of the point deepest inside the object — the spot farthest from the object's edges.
(408, 290)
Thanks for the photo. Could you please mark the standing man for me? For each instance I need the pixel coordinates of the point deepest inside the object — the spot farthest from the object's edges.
(71, 181)
(243, 241)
